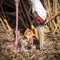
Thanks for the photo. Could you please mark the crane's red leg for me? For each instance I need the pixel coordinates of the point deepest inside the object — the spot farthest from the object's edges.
(15, 45)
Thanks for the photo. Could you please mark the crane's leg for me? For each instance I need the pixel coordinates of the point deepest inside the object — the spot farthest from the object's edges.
(15, 45)
(16, 3)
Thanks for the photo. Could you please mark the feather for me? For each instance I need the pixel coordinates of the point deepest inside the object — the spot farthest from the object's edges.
(38, 7)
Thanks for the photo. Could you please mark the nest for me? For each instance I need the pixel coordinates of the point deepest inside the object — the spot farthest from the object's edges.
(7, 30)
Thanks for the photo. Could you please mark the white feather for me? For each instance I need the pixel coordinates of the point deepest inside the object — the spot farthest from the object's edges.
(38, 7)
